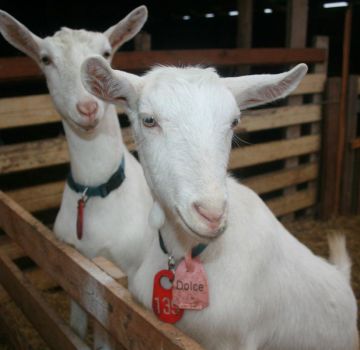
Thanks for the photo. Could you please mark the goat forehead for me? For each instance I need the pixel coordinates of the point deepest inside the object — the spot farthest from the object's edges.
(192, 94)
(67, 41)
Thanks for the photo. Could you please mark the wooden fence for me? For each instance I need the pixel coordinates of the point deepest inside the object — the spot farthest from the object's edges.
(40, 156)
(282, 166)
(98, 286)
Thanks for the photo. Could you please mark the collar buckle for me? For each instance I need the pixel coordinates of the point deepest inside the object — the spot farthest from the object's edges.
(171, 263)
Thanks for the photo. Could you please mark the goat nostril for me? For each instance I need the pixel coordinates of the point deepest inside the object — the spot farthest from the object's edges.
(87, 108)
(212, 216)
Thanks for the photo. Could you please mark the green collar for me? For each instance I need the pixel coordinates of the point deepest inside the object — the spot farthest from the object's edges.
(104, 189)
(195, 251)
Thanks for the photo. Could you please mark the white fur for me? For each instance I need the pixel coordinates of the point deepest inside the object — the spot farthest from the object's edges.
(267, 290)
(116, 226)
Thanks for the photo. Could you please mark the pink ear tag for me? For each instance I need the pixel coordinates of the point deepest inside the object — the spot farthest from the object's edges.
(190, 287)
(162, 304)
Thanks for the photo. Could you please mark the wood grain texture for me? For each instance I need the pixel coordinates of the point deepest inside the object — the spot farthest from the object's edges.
(112, 270)
(39, 109)
(20, 68)
(292, 202)
(271, 151)
(39, 197)
(100, 295)
(33, 155)
(276, 180)
(27, 110)
(329, 149)
(271, 118)
(51, 328)
(17, 337)
(311, 84)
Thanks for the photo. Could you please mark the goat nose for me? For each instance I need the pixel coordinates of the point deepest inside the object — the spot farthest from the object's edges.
(212, 215)
(87, 108)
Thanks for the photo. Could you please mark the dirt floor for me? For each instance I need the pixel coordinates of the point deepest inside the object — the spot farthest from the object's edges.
(311, 233)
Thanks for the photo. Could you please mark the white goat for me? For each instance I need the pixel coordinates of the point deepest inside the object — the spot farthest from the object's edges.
(267, 290)
(114, 226)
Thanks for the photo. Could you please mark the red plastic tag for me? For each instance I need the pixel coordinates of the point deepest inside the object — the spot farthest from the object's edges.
(190, 287)
(162, 299)
(80, 218)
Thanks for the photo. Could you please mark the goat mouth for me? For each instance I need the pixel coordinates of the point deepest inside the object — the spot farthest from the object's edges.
(209, 238)
(88, 128)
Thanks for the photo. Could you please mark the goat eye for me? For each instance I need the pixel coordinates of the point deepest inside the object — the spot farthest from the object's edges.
(46, 60)
(106, 54)
(149, 122)
(235, 123)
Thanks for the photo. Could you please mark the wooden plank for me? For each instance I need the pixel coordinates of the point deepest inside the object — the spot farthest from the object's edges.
(346, 122)
(51, 328)
(276, 180)
(19, 68)
(39, 197)
(217, 57)
(271, 118)
(12, 250)
(291, 203)
(244, 29)
(16, 336)
(329, 149)
(27, 110)
(355, 144)
(111, 269)
(33, 155)
(315, 128)
(311, 84)
(347, 173)
(38, 109)
(296, 23)
(271, 151)
(102, 297)
(38, 279)
(36, 276)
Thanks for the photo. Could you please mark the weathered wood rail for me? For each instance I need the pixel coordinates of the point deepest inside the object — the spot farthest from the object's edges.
(350, 189)
(105, 299)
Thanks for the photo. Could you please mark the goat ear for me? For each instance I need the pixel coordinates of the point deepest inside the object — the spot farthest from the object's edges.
(254, 90)
(127, 28)
(101, 80)
(19, 36)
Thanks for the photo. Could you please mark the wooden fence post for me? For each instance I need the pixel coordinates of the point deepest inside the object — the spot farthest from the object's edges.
(330, 133)
(143, 41)
(348, 178)
(295, 37)
(320, 42)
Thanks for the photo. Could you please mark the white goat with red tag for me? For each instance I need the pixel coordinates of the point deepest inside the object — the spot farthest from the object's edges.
(266, 289)
(113, 207)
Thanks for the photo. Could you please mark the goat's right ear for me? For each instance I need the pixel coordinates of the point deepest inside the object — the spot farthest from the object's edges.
(127, 28)
(101, 80)
(19, 36)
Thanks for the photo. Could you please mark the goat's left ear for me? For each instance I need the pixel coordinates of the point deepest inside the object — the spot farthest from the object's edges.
(127, 28)
(113, 86)
(254, 90)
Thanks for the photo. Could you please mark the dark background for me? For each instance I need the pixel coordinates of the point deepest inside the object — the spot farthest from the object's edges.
(169, 31)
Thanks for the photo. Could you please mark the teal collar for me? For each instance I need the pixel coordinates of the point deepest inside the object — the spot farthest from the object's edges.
(195, 251)
(104, 189)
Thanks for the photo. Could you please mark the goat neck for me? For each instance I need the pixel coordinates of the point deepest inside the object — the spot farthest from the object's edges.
(95, 156)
